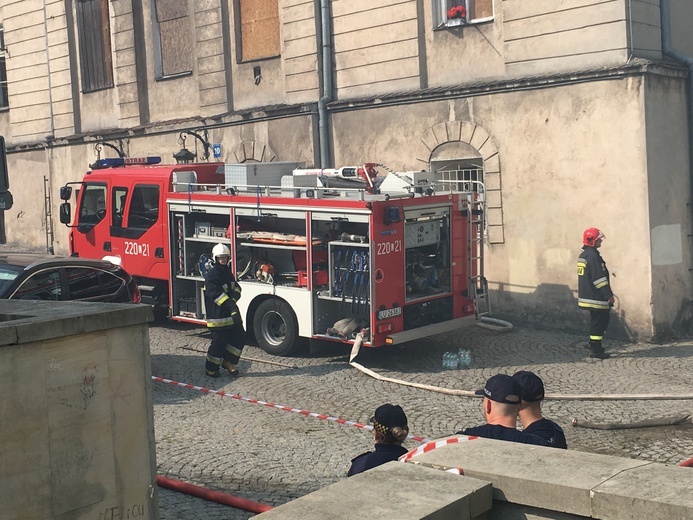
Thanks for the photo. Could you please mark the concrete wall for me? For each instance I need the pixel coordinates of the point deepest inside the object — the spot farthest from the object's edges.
(528, 482)
(559, 176)
(26, 34)
(544, 35)
(78, 430)
(681, 15)
(669, 217)
(645, 28)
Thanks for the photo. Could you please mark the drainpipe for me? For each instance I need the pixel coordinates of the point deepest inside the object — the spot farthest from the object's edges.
(629, 28)
(326, 94)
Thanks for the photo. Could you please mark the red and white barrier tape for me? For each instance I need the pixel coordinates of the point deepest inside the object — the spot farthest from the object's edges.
(432, 445)
(221, 393)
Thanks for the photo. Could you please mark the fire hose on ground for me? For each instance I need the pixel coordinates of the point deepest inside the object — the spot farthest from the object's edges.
(212, 496)
(664, 421)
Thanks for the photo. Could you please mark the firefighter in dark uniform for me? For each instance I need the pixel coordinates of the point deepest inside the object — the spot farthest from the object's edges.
(594, 291)
(223, 317)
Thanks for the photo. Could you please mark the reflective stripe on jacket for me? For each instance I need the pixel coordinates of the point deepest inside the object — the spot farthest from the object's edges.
(594, 290)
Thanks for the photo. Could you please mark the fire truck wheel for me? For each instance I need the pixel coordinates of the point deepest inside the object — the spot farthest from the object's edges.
(275, 327)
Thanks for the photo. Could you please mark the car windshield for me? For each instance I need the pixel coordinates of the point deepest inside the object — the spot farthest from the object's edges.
(7, 275)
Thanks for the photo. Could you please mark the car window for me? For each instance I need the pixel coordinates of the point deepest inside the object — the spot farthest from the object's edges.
(82, 283)
(112, 286)
(44, 285)
(7, 276)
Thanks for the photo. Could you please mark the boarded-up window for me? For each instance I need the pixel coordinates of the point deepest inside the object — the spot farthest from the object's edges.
(93, 29)
(259, 24)
(175, 38)
(448, 13)
(4, 99)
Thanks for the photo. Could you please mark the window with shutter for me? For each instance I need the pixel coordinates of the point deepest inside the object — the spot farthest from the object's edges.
(94, 35)
(175, 47)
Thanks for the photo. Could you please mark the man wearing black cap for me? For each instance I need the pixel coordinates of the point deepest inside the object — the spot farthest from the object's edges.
(390, 429)
(501, 405)
(530, 410)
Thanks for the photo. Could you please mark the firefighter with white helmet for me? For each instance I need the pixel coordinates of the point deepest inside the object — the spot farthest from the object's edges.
(223, 317)
(594, 289)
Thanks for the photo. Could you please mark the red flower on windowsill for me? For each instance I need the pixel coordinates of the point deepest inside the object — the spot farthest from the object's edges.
(457, 12)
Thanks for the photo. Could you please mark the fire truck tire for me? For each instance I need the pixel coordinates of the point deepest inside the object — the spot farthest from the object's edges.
(275, 327)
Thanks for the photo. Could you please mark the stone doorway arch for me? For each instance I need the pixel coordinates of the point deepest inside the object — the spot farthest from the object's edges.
(465, 141)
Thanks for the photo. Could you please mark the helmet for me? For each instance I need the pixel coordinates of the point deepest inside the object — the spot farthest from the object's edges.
(591, 235)
(220, 250)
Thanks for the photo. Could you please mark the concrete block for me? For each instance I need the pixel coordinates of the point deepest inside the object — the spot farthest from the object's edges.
(78, 427)
(394, 490)
(42, 320)
(655, 491)
(536, 476)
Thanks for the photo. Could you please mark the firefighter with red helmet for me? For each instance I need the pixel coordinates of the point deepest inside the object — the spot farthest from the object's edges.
(594, 290)
(223, 317)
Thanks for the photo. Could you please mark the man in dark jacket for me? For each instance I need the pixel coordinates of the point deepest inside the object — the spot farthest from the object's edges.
(530, 410)
(223, 317)
(594, 291)
(501, 405)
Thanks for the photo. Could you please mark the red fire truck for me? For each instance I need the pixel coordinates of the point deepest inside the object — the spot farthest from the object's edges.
(319, 254)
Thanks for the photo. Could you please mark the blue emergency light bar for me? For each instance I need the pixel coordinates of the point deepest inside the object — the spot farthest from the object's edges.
(111, 162)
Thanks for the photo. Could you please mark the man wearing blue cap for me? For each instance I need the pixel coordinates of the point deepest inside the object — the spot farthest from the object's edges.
(501, 406)
(530, 410)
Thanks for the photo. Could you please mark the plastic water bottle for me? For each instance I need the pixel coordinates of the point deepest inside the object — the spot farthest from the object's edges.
(465, 358)
(454, 361)
(446, 361)
(449, 361)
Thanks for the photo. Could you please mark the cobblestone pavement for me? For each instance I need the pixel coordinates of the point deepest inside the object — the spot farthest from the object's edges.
(273, 456)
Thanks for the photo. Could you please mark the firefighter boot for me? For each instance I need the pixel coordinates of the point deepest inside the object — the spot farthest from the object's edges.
(213, 373)
(230, 367)
(597, 351)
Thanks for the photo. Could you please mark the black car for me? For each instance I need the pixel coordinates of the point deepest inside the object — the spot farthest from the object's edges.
(30, 276)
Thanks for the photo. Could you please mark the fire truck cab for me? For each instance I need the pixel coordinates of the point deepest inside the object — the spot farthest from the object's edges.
(343, 255)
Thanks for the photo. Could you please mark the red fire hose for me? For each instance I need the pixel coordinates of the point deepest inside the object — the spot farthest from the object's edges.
(687, 463)
(212, 496)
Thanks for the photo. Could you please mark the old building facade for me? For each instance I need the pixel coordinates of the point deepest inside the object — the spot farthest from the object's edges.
(574, 113)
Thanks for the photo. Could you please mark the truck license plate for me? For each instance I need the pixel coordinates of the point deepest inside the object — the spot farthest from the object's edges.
(389, 313)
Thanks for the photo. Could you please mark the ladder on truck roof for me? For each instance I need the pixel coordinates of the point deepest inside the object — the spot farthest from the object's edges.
(476, 230)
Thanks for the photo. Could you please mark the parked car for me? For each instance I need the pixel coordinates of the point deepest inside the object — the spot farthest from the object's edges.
(31, 276)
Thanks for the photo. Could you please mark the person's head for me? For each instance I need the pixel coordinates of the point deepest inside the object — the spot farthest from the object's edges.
(592, 237)
(390, 424)
(501, 397)
(221, 254)
(532, 389)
